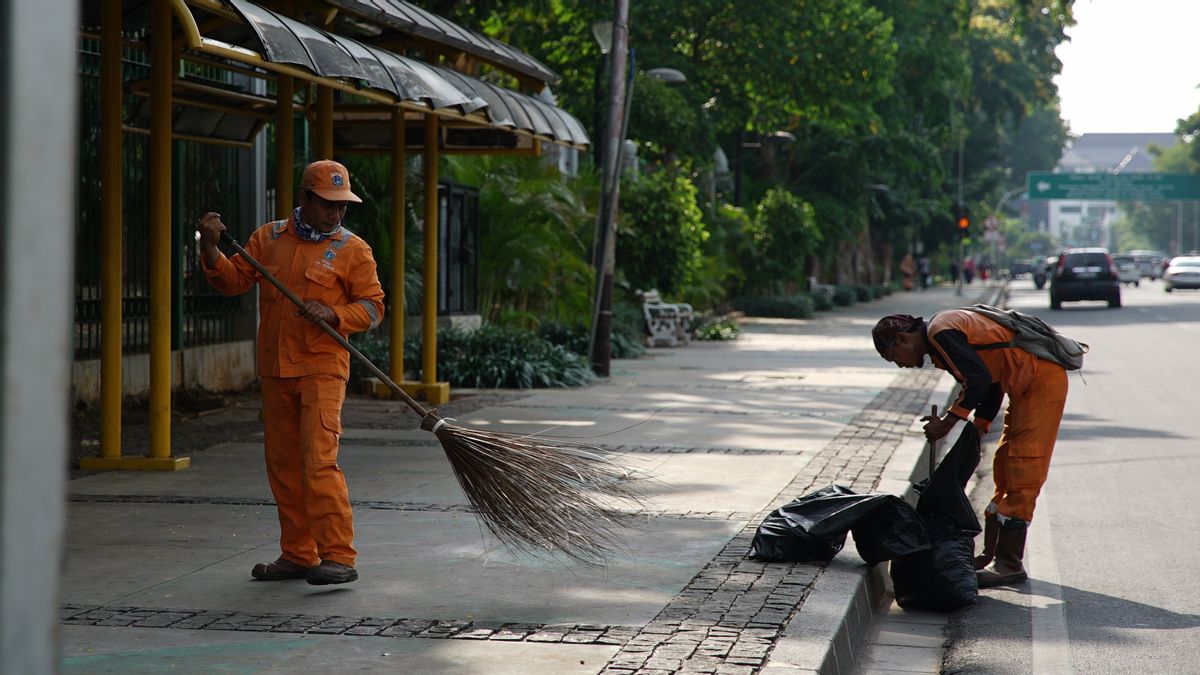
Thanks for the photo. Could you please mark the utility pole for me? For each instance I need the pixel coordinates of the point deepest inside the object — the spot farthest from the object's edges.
(600, 342)
(962, 140)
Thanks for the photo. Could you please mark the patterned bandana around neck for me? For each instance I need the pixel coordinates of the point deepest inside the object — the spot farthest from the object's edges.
(308, 232)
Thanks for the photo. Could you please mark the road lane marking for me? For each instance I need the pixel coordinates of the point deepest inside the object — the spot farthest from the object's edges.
(1051, 643)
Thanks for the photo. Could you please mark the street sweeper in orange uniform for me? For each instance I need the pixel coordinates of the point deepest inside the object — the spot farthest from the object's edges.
(302, 369)
(955, 341)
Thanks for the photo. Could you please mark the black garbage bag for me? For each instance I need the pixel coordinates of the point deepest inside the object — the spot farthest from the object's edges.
(942, 578)
(813, 527)
(891, 530)
(943, 493)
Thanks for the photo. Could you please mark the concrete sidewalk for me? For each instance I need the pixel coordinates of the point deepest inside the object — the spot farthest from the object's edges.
(157, 565)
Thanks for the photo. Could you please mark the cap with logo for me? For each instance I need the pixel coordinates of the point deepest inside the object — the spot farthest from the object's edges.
(330, 180)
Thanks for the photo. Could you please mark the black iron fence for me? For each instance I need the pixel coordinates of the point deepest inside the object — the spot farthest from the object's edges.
(204, 177)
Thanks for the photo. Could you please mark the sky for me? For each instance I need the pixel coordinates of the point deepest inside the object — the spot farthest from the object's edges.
(1130, 65)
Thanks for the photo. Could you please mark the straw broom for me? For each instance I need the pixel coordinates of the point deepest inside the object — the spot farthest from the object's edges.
(531, 493)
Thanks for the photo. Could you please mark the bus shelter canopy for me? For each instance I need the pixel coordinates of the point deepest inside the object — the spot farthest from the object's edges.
(476, 115)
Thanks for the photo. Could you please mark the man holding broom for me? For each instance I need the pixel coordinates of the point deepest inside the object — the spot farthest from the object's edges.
(1037, 392)
(303, 370)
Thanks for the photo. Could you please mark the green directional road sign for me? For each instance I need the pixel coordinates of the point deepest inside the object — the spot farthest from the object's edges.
(1116, 187)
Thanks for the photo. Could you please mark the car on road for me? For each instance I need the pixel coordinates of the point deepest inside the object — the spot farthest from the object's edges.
(1149, 262)
(1085, 274)
(1127, 269)
(1183, 272)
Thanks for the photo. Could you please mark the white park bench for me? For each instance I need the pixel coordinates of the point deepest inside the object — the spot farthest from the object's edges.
(667, 323)
(826, 290)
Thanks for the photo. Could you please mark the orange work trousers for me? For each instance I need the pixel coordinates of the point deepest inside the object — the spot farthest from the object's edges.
(303, 419)
(1030, 428)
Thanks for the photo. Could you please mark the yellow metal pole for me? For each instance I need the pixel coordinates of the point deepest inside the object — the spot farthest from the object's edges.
(111, 236)
(162, 65)
(285, 129)
(323, 147)
(435, 392)
(396, 345)
(162, 73)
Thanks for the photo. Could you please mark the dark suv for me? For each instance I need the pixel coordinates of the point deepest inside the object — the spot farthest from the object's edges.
(1085, 274)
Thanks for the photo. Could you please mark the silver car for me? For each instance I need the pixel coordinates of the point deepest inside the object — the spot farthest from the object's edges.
(1127, 269)
(1183, 272)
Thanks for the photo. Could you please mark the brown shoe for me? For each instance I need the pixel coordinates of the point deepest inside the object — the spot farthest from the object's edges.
(1007, 569)
(280, 570)
(991, 531)
(329, 572)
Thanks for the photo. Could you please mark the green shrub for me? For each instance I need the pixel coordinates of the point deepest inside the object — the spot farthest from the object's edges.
(494, 356)
(629, 331)
(378, 350)
(883, 291)
(822, 302)
(799, 306)
(844, 296)
(716, 328)
(863, 293)
(781, 235)
(661, 233)
(627, 334)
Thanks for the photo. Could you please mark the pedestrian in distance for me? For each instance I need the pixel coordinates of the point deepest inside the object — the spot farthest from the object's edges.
(925, 272)
(908, 269)
(963, 343)
(303, 370)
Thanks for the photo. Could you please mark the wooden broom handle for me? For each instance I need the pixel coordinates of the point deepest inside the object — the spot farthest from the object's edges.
(330, 330)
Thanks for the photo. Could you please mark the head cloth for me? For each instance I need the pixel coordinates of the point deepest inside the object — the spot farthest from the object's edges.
(884, 333)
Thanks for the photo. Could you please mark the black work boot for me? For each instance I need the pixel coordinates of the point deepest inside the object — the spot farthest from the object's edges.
(1007, 568)
(991, 529)
(330, 572)
(280, 570)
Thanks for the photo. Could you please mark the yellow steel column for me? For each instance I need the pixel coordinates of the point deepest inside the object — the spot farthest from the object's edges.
(323, 143)
(435, 392)
(285, 130)
(162, 73)
(396, 345)
(111, 235)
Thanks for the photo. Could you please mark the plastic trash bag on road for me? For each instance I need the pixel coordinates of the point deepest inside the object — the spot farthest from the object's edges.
(813, 528)
(942, 578)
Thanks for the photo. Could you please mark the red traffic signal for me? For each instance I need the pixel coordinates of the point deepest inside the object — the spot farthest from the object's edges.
(962, 219)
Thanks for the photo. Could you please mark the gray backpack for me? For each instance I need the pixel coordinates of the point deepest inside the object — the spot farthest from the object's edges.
(1034, 336)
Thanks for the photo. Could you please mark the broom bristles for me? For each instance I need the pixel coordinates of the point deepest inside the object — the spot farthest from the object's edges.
(540, 494)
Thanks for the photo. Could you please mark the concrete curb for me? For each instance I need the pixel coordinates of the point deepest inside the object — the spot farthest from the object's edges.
(829, 632)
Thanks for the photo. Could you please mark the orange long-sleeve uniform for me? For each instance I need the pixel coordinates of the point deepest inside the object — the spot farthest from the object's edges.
(1037, 394)
(304, 373)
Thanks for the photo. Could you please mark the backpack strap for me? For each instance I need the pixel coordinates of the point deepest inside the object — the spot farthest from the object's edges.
(995, 345)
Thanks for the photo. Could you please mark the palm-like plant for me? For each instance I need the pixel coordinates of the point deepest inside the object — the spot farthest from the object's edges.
(535, 236)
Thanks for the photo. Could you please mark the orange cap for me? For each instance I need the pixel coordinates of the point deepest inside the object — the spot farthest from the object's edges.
(330, 180)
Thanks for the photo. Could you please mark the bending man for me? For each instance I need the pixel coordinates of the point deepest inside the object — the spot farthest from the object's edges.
(1037, 393)
(303, 370)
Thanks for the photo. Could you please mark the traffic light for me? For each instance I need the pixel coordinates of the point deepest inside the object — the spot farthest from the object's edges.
(962, 219)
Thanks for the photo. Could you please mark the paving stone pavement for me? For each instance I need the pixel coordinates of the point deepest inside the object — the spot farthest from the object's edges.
(728, 617)
(747, 425)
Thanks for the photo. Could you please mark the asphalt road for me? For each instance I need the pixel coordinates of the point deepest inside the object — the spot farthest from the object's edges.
(1114, 544)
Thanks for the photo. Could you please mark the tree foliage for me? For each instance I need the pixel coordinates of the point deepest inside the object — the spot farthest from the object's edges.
(661, 233)
(889, 102)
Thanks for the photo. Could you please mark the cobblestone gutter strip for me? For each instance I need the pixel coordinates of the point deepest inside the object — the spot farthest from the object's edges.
(363, 504)
(192, 619)
(729, 616)
(624, 448)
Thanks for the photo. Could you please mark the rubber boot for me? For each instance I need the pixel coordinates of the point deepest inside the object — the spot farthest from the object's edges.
(1007, 568)
(991, 529)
